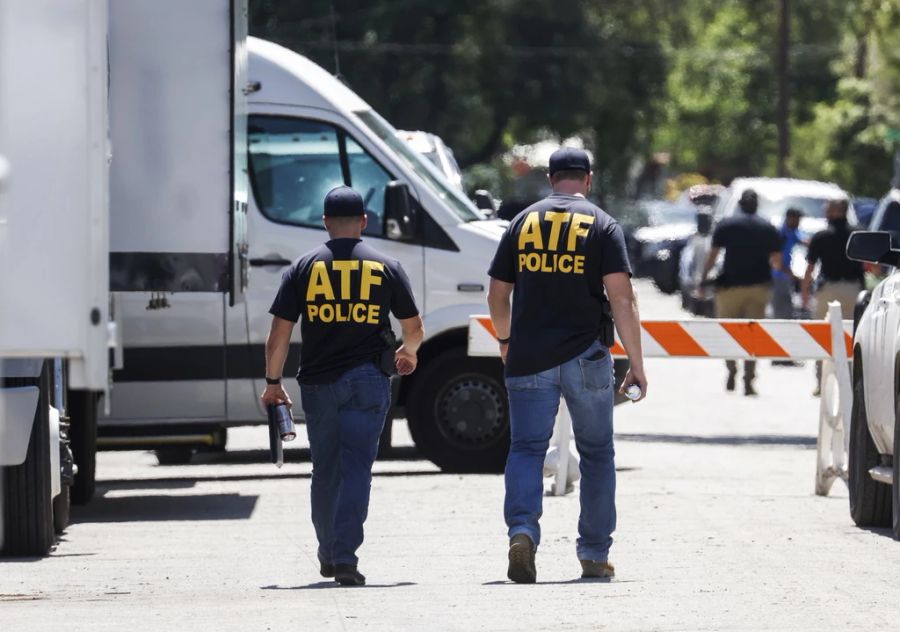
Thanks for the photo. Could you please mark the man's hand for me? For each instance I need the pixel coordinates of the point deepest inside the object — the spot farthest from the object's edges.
(274, 395)
(635, 375)
(405, 361)
(504, 349)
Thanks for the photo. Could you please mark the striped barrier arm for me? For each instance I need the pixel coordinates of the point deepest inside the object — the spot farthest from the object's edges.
(708, 338)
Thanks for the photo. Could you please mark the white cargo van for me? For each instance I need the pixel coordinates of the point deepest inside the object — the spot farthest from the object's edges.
(196, 367)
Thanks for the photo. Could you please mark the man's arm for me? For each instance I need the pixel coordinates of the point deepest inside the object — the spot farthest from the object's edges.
(776, 261)
(413, 332)
(499, 293)
(278, 343)
(628, 324)
(806, 284)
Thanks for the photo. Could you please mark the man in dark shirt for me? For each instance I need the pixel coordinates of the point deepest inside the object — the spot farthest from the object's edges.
(563, 256)
(344, 292)
(752, 250)
(840, 279)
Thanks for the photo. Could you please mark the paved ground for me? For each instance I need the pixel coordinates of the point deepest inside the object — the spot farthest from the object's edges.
(718, 530)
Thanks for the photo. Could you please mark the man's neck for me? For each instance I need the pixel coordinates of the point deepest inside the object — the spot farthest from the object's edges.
(569, 190)
(337, 234)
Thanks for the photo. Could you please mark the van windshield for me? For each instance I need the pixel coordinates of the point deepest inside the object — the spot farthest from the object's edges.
(424, 169)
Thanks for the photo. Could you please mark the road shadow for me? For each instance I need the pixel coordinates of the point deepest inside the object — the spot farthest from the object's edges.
(561, 582)
(333, 584)
(884, 532)
(291, 455)
(185, 482)
(165, 508)
(787, 441)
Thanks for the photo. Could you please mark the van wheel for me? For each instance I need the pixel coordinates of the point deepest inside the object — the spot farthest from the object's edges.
(176, 455)
(870, 501)
(83, 439)
(28, 505)
(458, 413)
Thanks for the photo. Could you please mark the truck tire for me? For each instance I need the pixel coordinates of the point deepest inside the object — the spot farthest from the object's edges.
(870, 501)
(61, 506)
(458, 413)
(29, 508)
(895, 488)
(83, 437)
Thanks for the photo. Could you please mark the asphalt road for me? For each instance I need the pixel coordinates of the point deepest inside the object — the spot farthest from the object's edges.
(718, 530)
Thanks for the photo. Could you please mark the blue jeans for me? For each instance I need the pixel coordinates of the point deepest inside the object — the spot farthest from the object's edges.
(344, 420)
(587, 384)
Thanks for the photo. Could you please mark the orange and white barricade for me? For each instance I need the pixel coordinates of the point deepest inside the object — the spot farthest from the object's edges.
(830, 340)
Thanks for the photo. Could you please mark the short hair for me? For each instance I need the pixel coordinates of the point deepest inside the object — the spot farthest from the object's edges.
(338, 220)
(569, 174)
(840, 204)
(796, 212)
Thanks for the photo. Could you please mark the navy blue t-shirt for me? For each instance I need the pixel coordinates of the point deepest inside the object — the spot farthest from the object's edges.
(557, 252)
(345, 292)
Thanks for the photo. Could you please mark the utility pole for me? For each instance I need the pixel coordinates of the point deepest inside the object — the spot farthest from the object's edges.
(782, 73)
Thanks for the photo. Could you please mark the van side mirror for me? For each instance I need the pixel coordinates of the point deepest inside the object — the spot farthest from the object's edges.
(872, 247)
(485, 201)
(704, 223)
(399, 216)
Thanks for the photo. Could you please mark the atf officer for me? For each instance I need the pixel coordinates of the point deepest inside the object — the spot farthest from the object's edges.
(563, 256)
(344, 292)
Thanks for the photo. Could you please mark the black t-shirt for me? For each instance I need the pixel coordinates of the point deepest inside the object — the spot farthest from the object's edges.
(749, 241)
(343, 290)
(557, 252)
(830, 247)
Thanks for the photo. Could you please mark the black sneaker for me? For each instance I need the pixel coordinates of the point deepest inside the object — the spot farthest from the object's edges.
(326, 569)
(347, 575)
(749, 391)
(521, 560)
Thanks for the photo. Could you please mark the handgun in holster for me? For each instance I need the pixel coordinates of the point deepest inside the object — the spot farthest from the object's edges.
(386, 360)
(607, 326)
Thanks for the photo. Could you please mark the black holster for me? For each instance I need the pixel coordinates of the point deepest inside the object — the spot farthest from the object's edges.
(385, 360)
(607, 326)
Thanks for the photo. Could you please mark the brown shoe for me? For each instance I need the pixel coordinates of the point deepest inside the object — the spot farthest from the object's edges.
(590, 568)
(521, 560)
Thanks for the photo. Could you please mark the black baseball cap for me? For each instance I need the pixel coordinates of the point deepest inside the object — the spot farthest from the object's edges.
(343, 201)
(569, 158)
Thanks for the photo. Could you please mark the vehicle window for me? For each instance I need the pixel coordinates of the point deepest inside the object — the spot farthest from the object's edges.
(295, 162)
(772, 208)
(370, 180)
(891, 219)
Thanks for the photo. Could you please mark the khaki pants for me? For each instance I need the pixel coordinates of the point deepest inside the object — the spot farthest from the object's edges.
(743, 301)
(845, 293)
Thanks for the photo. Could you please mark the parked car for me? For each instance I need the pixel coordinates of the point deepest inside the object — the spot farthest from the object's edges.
(874, 469)
(433, 147)
(655, 246)
(776, 195)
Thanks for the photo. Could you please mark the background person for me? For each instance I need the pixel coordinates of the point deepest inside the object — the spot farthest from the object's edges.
(752, 250)
(839, 279)
(784, 281)
(563, 256)
(344, 291)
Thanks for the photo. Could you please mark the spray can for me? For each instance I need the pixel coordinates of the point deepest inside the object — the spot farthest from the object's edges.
(281, 417)
(633, 392)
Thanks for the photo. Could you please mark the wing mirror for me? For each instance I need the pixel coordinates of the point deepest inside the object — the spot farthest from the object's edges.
(873, 247)
(399, 216)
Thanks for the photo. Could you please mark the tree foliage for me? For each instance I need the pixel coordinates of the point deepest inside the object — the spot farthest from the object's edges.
(695, 79)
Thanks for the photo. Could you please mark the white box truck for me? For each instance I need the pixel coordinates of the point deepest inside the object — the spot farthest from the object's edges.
(122, 131)
(194, 369)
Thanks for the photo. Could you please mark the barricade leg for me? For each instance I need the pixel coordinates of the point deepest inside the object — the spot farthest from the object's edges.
(560, 463)
(834, 409)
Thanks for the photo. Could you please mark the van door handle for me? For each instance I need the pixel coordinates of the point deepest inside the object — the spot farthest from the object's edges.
(270, 261)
